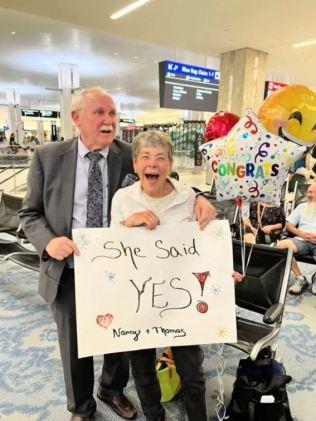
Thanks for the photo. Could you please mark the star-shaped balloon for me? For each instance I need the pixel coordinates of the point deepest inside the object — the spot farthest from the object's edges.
(250, 162)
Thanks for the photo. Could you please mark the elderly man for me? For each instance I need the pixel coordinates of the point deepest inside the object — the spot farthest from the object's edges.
(71, 185)
(302, 223)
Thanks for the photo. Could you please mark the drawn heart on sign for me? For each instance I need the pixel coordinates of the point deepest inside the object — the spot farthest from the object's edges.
(104, 320)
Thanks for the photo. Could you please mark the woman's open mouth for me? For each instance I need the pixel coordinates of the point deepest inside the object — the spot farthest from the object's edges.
(151, 177)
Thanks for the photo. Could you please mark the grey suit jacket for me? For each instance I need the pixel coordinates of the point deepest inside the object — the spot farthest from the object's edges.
(48, 204)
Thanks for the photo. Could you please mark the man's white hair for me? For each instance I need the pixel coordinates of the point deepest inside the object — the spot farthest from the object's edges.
(79, 96)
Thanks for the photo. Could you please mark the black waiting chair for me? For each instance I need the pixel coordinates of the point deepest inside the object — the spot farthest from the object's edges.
(263, 291)
(226, 209)
(15, 252)
(28, 259)
(12, 242)
(300, 194)
(296, 179)
(9, 207)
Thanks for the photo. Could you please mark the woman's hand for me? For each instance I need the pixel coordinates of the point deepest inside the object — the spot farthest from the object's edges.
(146, 218)
(247, 223)
(237, 277)
(204, 211)
(267, 229)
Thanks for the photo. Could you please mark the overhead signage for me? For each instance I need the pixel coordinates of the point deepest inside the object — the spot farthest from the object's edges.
(127, 121)
(271, 86)
(187, 87)
(29, 112)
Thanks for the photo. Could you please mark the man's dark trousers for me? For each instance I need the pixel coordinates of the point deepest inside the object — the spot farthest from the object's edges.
(79, 372)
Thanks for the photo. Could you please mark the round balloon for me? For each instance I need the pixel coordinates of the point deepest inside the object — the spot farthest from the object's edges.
(219, 125)
(291, 114)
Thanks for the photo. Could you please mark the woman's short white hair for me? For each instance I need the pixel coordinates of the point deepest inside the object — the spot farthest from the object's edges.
(79, 96)
(152, 138)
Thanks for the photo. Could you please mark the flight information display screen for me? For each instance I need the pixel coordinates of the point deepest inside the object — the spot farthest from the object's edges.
(25, 112)
(187, 87)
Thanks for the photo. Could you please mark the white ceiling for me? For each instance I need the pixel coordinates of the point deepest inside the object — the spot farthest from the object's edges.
(80, 32)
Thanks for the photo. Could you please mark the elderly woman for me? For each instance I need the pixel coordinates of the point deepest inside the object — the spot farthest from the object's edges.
(157, 199)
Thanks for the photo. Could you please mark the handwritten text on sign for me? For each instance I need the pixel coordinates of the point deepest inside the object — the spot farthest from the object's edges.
(137, 288)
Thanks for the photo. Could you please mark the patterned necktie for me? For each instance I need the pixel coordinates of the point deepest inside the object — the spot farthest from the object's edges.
(95, 192)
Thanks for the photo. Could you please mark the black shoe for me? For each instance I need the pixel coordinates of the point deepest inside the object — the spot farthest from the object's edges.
(119, 403)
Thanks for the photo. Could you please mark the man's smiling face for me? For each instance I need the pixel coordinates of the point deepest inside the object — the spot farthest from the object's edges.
(96, 120)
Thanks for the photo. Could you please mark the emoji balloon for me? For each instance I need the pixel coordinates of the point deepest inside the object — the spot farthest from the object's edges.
(291, 113)
(249, 162)
(219, 125)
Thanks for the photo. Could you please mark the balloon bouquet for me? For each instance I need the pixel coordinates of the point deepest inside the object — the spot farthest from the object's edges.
(251, 161)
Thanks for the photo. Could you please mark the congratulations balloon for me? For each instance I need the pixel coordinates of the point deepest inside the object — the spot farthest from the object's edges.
(291, 113)
(219, 125)
(250, 162)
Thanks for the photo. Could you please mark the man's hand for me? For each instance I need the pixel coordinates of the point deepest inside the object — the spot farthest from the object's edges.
(313, 240)
(309, 236)
(204, 211)
(61, 247)
(138, 219)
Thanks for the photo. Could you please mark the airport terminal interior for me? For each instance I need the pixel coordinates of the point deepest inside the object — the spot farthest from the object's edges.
(216, 77)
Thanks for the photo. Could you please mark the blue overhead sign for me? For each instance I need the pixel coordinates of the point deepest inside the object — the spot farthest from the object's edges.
(175, 68)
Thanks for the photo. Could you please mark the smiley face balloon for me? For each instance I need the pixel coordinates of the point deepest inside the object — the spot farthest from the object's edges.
(291, 113)
(249, 162)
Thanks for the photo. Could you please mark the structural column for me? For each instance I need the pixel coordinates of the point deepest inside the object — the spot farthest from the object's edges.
(40, 130)
(242, 77)
(14, 111)
(68, 82)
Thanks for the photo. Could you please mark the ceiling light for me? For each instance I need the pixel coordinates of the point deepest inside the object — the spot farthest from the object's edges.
(304, 44)
(116, 53)
(13, 33)
(128, 9)
(136, 57)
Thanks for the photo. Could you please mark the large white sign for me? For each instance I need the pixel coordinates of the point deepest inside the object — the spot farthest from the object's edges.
(137, 288)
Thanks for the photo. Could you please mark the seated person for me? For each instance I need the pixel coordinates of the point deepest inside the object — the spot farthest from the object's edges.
(302, 224)
(157, 199)
(265, 223)
(303, 174)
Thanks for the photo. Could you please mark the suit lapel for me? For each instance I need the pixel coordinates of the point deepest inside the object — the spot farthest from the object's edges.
(114, 171)
(68, 176)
